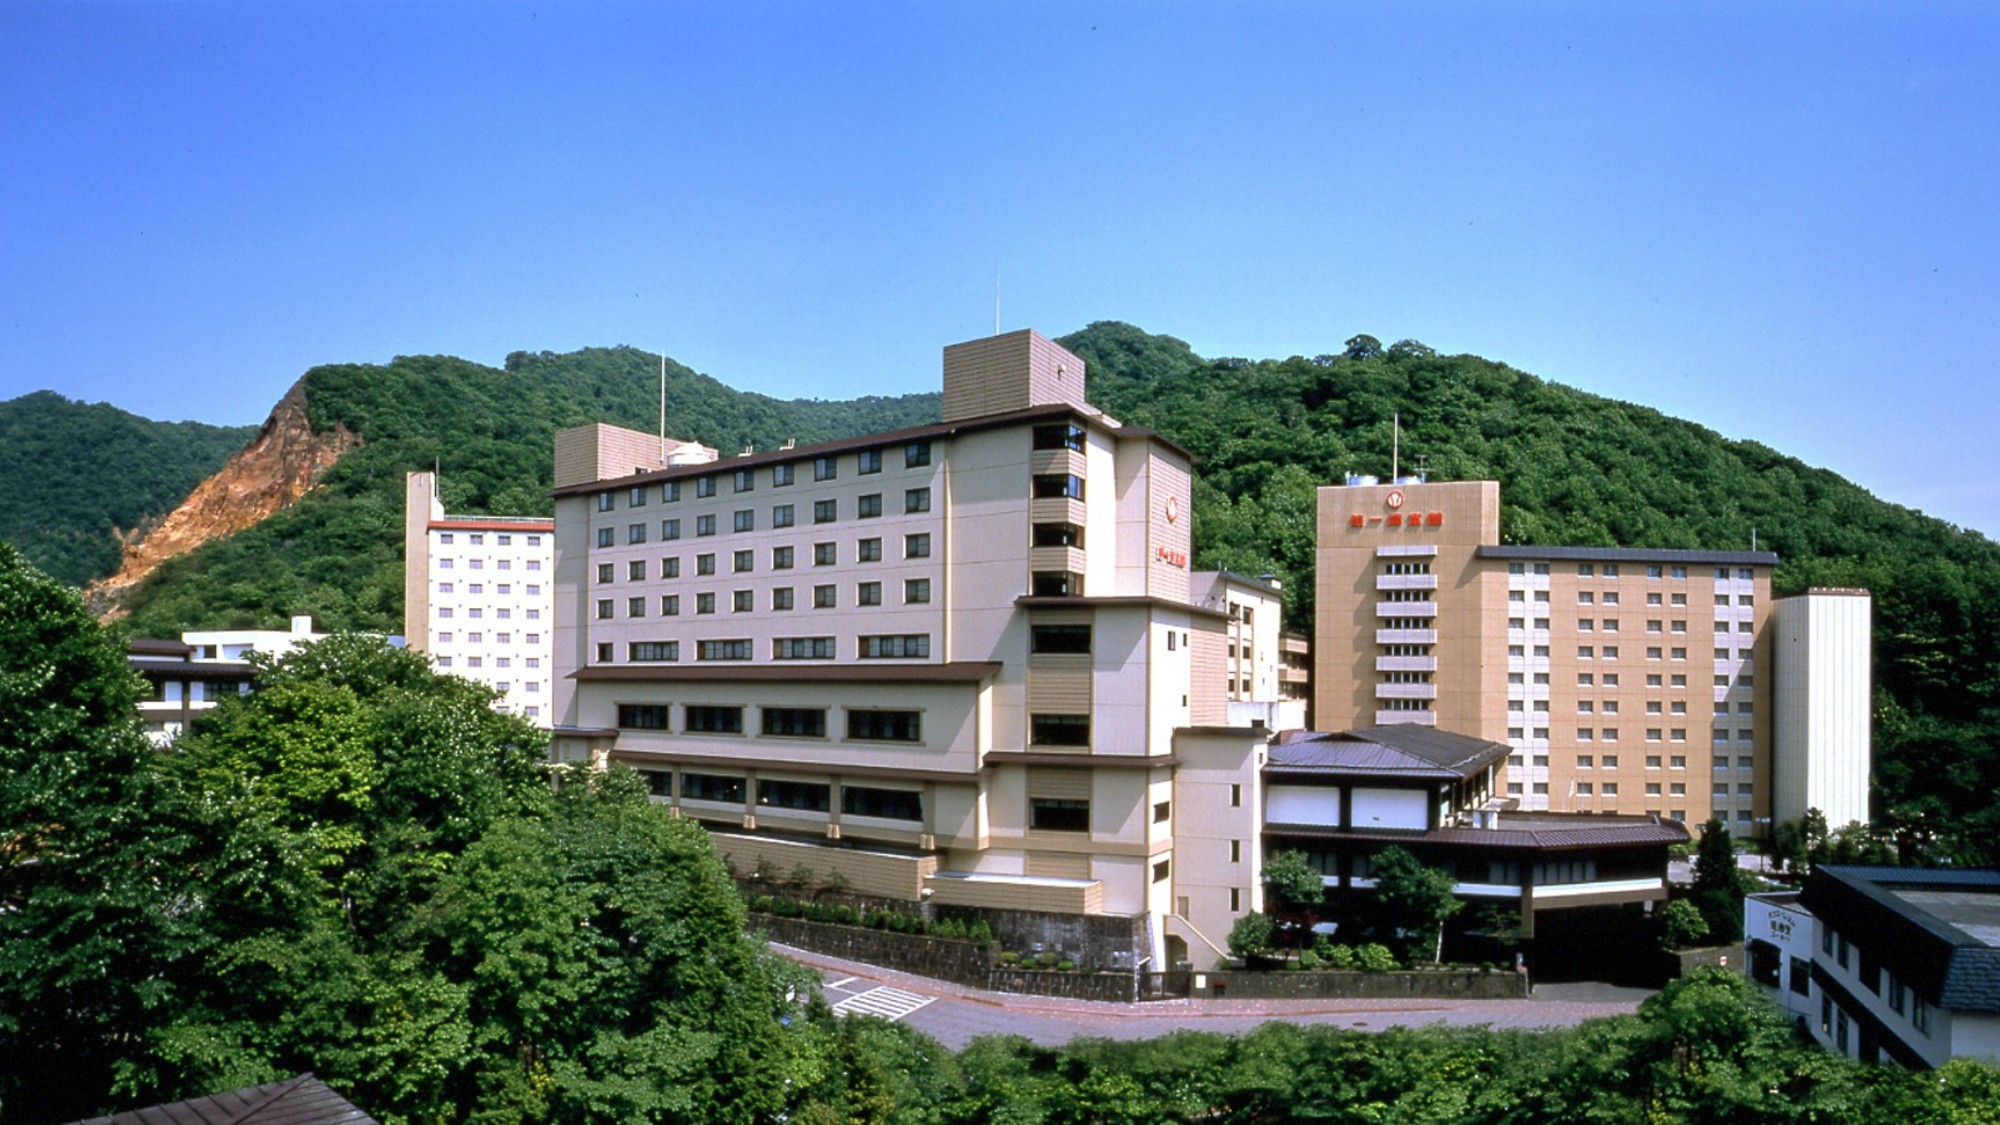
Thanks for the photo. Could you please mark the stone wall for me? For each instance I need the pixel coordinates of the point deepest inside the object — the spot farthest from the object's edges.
(1109, 942)
(938, 958)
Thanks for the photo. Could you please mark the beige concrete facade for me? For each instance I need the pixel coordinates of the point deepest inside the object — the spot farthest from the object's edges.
(951, 658)
(1625, 680)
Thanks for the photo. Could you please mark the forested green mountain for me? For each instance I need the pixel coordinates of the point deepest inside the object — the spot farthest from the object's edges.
(338, 554)
(1575, 468)
(74, 474)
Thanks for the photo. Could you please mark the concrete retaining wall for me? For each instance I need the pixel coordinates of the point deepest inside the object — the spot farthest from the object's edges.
(1318, 985)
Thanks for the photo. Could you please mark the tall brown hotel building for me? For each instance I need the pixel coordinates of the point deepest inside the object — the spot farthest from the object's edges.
(1625, 680)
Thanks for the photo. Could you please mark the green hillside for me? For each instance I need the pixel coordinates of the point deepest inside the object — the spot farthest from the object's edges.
(338, 554)
(1575, 469)
(76, 473)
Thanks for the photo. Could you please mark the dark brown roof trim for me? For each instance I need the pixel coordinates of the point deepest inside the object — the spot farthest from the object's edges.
(1049, 412)
(1627, 554)
(957, 672)
(1031, 601)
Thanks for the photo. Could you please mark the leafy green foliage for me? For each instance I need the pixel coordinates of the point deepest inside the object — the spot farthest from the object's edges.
(1294, 880)
(1718, 883)
(1681, 924)
(76, 474)
(1252, 934)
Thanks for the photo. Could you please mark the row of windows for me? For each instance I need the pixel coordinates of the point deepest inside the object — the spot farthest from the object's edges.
(479, 638)
(916, 454)
(916, 591)
(498, 564)
(892, 646)
(915, 500)
(915, 546)
(478, 539)
(476, 613)
(866, 725)
(806, 796)
(504, 589)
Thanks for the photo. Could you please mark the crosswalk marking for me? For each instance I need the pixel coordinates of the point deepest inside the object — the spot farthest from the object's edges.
(842, 982)
(889, 1003)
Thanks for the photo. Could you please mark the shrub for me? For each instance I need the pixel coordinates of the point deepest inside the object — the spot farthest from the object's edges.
(1308, 959)
(1065, 966)
(980, 932)
(1046, 960)
(1376, 958)
(1341, 957)
(1009, 958)
(1252, 933)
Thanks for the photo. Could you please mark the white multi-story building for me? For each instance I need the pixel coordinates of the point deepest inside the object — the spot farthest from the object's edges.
(477, 597)
(1820, 746)
(950, 663)
(202, 669)
(1254, 670)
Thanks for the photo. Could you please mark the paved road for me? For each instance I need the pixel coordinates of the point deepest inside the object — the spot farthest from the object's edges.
(956, 1015)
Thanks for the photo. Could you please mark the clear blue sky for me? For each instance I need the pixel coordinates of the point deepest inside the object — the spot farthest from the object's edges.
(1779, 220)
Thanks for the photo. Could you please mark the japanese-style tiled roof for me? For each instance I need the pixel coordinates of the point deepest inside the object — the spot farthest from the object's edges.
(1402, 750)
(303, 1100)
(1939, 930)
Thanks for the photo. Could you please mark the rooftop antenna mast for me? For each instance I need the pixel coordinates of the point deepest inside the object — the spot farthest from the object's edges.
(663, 407)
(1396, 449)
(996, 300)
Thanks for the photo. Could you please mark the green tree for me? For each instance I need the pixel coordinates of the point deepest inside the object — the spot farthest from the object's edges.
(1681, 924)
(1294, 880)
(88, 914)
(1252, 934)
(1417, 897)
(1718, 883)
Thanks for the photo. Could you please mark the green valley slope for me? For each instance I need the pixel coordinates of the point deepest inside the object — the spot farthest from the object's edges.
(75, 474)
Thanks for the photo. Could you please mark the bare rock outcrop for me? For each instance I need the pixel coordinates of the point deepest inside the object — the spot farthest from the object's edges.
(280, 465)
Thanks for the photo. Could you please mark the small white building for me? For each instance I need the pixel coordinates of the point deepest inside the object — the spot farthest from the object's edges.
(1820, 734)
(478, 593)
(202, 669)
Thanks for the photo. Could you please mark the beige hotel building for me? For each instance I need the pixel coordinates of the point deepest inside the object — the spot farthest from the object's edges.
(1625, 681)
(961, 663)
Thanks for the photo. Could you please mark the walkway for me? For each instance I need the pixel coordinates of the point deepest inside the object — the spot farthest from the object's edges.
(955, 1015)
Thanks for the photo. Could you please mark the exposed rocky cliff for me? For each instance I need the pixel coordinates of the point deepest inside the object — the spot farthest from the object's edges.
(280, 465)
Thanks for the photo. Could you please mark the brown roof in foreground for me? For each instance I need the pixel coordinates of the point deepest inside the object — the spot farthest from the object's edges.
(303, 1100)
(1404, 750)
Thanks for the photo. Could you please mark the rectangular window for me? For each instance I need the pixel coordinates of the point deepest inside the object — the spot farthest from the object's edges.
(607, 572)
(781, 558)
(917, 546)
(1057, 535)
(868, 593)
(781, 598)
(642, 716)
(703, 718)
(916, 591)
(916, 500)
(1059, 730)
(605, 501)
(670, 605)
(1056, 486)
(869, 506)
(704, 486)
(1059, 639)
(635, 607)
(646, 652)
(743, 562)
(1056, 584)
(723, 650)
(782, 474)
(868, 461)
(746, 479)
(824, 597)
(882, 804)
(606, 537)
(826, 468)
(1069, 436)
(885, 726)
(825, 554)
(745, 520)
(794, 722)
(900, 646)
(604, 610)
(704, 602)
(825, 511)
(670, 529)
(712, 787)
(804, 796)
(704, 525)
(916, 453)
(704, 564)
(802, 648)
(742, 601)
(781, 515)
(868, 550)
(1056, 814)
